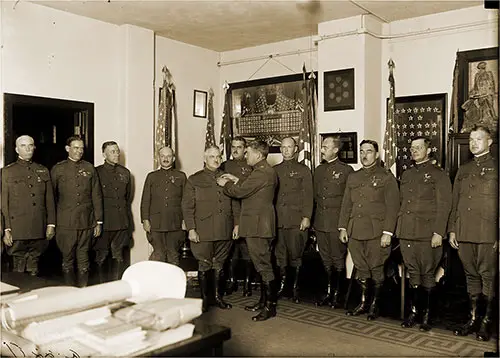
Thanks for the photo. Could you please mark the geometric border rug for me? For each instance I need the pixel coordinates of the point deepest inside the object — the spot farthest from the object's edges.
(440, 342)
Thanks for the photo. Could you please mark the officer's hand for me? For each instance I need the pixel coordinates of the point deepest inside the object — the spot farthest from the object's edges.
(304, 224)
(7, 238)
(495, 246)
(236, 232)
(146, 225)
(231, 177)
(97, 230)
(343, 236)
(453, 240)
(437, 240)
(385, 240)
(222, 181)
(50, 232)
(183, 225)
(193, 236)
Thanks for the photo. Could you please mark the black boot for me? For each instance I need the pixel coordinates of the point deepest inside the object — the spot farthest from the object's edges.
(117, 270)
(296, 297)
(203, 282)
(374, 307)
(426, 326)
(411, 320)
(262, 301)
(218, 292)
(69, 278)
(363, 304)
(232, 283)
(472, 325)
(282, 282)
(270, 298)
(328, 297)
(247, 286)
(101, 273)
(338, 276)
(484, 330)
(83, 278)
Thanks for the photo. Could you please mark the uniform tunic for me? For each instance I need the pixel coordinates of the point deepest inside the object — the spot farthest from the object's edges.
(161, 205)
(115, 184)
(369, 207)
(79, 208)
(209, 211)
(27, 207)
(474, 220)
(257, 218)
(329, 186)
(425, 208)
(293, 203)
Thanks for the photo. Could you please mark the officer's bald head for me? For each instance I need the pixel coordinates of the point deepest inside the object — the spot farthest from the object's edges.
(25, 147)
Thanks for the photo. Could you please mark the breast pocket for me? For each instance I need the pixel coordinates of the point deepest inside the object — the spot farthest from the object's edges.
(427, 190)
(489, 185)
(17, 185)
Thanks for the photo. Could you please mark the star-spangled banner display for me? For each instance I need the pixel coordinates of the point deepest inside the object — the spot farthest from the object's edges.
(418, 118)
(210, 132)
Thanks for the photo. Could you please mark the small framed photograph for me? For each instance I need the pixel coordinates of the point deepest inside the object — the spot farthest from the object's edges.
(348, 152)
(338, 90)
(200, 104)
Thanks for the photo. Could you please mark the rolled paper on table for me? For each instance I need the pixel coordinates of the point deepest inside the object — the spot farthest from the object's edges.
(16, 346)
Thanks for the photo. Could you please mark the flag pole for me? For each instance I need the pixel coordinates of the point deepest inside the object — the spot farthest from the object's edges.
(390, 147)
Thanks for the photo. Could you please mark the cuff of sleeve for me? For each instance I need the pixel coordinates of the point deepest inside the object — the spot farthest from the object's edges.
(7, 229)
(100, 223)
(342, 228)
(51, 225)
(387, 232)
(435, 233)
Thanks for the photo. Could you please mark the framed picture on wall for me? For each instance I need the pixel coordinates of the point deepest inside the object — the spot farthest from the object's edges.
(477, 89)
(348, 152)
(338, 89)
(200, 104)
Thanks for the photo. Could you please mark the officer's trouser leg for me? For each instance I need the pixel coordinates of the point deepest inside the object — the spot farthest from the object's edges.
(220, 253)
(358, 251)
(202, 252)
(67, 240)
(174, 242)
(281, 253)
(119, 242)
(101, 249)
(82, 255)
(19, 252)
(157, 239)
(296, 247)
(35, 249)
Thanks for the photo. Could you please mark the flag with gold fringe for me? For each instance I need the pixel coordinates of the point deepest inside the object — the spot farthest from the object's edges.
(307, 134)
(225, 128)
(453, 112)
(390, 146)
(210, 134)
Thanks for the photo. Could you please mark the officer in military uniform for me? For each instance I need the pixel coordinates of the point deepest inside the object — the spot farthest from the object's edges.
(329, 184)
(367, 221)
(161, 211)
(238, 167)
(473, 228)
(27, 207)
(425, 194)
(294, 205)
(115, 184)
(211, 225)
(257, 220)
(79, 210)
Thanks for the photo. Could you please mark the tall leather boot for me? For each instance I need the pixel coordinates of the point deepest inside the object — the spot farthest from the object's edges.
(411, 320)
(117, 270)
(328, 297)
(83, 278)
(101, 272)
(218, 282)
(69, 278)
(271, 299)
(338, 277)
(232, 283)
(262, 300)
(296, 297)
(203, 282)
(472, 324)
(374, 307)
(426, 326)
(484, 330)
(281, 289)
(362, 307)
(247, 285)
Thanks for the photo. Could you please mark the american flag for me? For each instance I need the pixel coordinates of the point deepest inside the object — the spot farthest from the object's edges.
(210, 136)
(418, 116)
(306, 134)
(225, 128)
(166, 123)
(390, 148)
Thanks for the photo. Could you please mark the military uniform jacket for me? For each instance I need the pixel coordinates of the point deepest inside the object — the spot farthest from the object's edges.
(295, 193)
(474, 214)
(115, 184)
(257, 218)
(27, 200)
(206, 208)
(425, 193)
(329, 185)
(162, 198)
(238, 168)
(370, 204)
(78, 192)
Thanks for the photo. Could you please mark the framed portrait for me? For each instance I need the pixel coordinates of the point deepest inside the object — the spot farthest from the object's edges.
(477, 89)
(338, 89)
(200, 104)
(348, 152)
(268, 109)
(422, 115)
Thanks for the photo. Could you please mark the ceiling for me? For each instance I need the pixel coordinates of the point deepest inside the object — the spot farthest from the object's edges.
(223, 25)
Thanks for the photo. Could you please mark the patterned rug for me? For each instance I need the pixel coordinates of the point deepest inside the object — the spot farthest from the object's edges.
(438, 341)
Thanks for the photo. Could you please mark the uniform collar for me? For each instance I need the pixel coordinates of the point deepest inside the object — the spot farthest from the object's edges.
(109, 166)
(371, 169)
(212, 173)
(74, 161)
(166, 170)
(261, 164)
(482, 157)
(333, 160)
(423, 164)
(24, 162)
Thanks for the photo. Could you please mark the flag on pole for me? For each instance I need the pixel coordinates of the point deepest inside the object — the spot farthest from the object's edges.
(210, 135)
(166, 122)
(454, 99)
(305, 129)
(225, 129)
(315, 154)
(390, 147)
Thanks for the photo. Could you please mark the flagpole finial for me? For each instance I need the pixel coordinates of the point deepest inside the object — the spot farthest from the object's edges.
(391, 64)
(225, 86)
